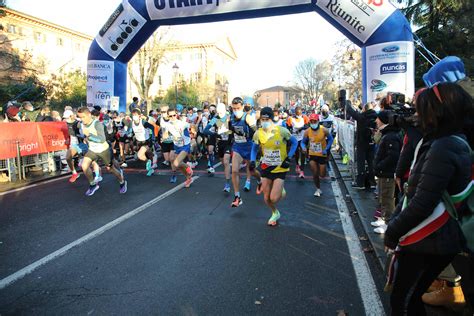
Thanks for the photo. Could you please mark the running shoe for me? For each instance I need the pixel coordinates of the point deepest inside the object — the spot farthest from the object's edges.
(154, 166)
(124, 165)
(378, 223)
(237, 202)
(92, 189)
(317, 193)
(173, 179)
(227, 188)
(149, 169)
(74, 177)
(381, 229)
(123, 187)
(259, 188)
(273, 221)
(301, 175)
(211, 170)
(247, 186)
(188, 182)
(166, 163)
(189, 171)
(98, 179)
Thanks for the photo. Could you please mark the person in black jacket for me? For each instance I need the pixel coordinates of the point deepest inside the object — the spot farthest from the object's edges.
(364, 144)
(384, 167)
(425, 237)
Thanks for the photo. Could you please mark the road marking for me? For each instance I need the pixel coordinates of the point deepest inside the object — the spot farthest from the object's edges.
(367, 289)
(62, 251)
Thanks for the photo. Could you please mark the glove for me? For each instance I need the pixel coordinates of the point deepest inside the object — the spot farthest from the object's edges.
(252, 166)
(286, 163)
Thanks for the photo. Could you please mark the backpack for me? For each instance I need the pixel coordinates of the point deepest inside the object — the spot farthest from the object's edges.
(466, 221)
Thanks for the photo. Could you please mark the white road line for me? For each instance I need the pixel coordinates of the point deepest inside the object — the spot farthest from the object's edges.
(58, 253)
(368, 291)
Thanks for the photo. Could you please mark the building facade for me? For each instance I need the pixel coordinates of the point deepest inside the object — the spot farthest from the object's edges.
(208, 66)
(277, 95)
(48, 47)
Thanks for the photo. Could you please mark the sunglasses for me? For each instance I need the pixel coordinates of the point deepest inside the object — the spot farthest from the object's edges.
(174, 115)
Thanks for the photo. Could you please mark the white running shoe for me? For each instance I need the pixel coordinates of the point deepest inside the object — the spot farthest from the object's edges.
(378, 223)
(98, 179)
(211, 170)
(381, 229)
(318, 192)
(124, 165)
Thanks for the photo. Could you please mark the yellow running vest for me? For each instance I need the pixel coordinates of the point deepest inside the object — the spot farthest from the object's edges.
(317, 141)
(273, 146)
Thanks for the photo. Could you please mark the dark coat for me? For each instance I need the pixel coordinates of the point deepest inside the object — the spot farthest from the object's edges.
(387, 155)
(365, 124)
(412, 137)
(442, 164)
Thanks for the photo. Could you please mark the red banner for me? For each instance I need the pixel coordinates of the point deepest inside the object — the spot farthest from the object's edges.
(33, 138)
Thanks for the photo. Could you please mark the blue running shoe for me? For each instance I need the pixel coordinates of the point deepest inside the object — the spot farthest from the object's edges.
(173, 179)
(247, 186)
(227, 188)
(92, 189)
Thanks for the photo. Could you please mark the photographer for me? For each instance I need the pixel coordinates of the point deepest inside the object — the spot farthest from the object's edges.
(364, 144)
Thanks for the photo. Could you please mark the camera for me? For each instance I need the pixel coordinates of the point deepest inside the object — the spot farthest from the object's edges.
(402, 116)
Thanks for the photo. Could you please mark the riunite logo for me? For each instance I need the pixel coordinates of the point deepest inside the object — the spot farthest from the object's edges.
(391, 49)
(393, 68)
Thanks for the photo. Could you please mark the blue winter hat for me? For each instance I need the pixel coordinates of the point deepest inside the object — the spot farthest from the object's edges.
(449, 69)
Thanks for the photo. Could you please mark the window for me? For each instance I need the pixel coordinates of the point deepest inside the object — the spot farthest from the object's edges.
(60, 41)
(196, 77)
(11, 28)
(159, 80)
(39, 37)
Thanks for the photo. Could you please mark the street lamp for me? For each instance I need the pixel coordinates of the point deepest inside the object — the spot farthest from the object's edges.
(175, 70)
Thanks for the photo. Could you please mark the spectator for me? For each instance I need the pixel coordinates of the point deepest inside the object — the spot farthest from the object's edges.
(29, 113)
(133, 105)
(56, 116)
(364, 144)
(426, 238)
(44, 115)
(385, 164)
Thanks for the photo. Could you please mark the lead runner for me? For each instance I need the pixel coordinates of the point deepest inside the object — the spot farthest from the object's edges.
(272, 141)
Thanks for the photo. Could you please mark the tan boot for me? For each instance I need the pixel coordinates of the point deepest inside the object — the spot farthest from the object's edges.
(448, 296)
(436, 285)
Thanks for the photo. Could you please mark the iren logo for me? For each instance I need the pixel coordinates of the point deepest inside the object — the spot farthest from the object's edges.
(161, 4)
(334, 7)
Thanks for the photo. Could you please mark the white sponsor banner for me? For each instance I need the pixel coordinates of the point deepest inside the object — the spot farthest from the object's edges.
(120, 29)
(390, 67)
(100, 82)
(360, 17)
(114, 104)
(346, 131)
(168, 9)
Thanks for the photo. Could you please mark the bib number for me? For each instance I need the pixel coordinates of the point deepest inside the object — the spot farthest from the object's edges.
(316, 147)
(240, 139)
(272, 157)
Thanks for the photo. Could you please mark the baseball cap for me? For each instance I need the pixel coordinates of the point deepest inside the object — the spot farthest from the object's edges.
(383, 116)
(67, 114)
(267, 113)
(314, 117)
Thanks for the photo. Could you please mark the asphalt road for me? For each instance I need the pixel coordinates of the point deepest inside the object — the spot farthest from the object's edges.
(189, 253)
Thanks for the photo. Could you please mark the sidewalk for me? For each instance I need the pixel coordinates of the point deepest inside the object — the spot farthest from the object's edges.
(31, 179)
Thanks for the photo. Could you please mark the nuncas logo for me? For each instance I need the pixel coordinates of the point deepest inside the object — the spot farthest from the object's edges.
(377, 85)
(391, 49)
(393, 68)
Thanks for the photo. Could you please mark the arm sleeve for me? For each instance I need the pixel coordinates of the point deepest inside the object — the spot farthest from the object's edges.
(100, 137)
(207, 129)
(254, 152)
(294, 146)
(330, 140)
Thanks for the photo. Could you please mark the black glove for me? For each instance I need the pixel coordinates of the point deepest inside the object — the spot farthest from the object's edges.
(286, 163)
(252, 166)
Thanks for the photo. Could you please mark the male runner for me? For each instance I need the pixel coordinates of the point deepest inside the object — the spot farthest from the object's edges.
(218, 128)
(272, 140)
(144, 133)
(243, 126)
(167, 147)
(318, 141)
(297, 125)
(179, 131)
(94, 133)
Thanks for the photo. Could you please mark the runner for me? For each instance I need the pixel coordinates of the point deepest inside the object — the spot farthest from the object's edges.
(179, 131)
(218, 128)
(167, 147)
(297, 125)
(272, 141)
(144, 135)
(94, 134)
(328, 121)
(77, 146)
(123, 136)
(318, 141)
(243, 126)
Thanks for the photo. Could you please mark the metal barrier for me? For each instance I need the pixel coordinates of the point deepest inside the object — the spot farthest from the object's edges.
(346, 140)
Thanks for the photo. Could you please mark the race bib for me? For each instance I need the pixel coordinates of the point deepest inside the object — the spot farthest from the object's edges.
(272, 157)
(179, 141)
(240, 139)
(224, 136)
(222, 130)
(316, 147)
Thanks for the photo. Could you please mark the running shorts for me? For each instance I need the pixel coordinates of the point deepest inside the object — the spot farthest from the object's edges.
(268, 174)
(105, 156)
(319, 160)
(185, 148)
(80, 148)
(223, 148)
(147, 143)
(211, 140)
(167, 147)
(243, 150)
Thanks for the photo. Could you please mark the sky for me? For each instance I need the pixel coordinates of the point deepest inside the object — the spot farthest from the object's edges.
(268, 49)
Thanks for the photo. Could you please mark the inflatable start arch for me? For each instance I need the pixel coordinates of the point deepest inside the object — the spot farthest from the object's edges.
(376, 26)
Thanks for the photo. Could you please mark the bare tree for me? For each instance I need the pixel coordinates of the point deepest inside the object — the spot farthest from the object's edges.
(347, 68)
(312, 77)
(144, 66)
